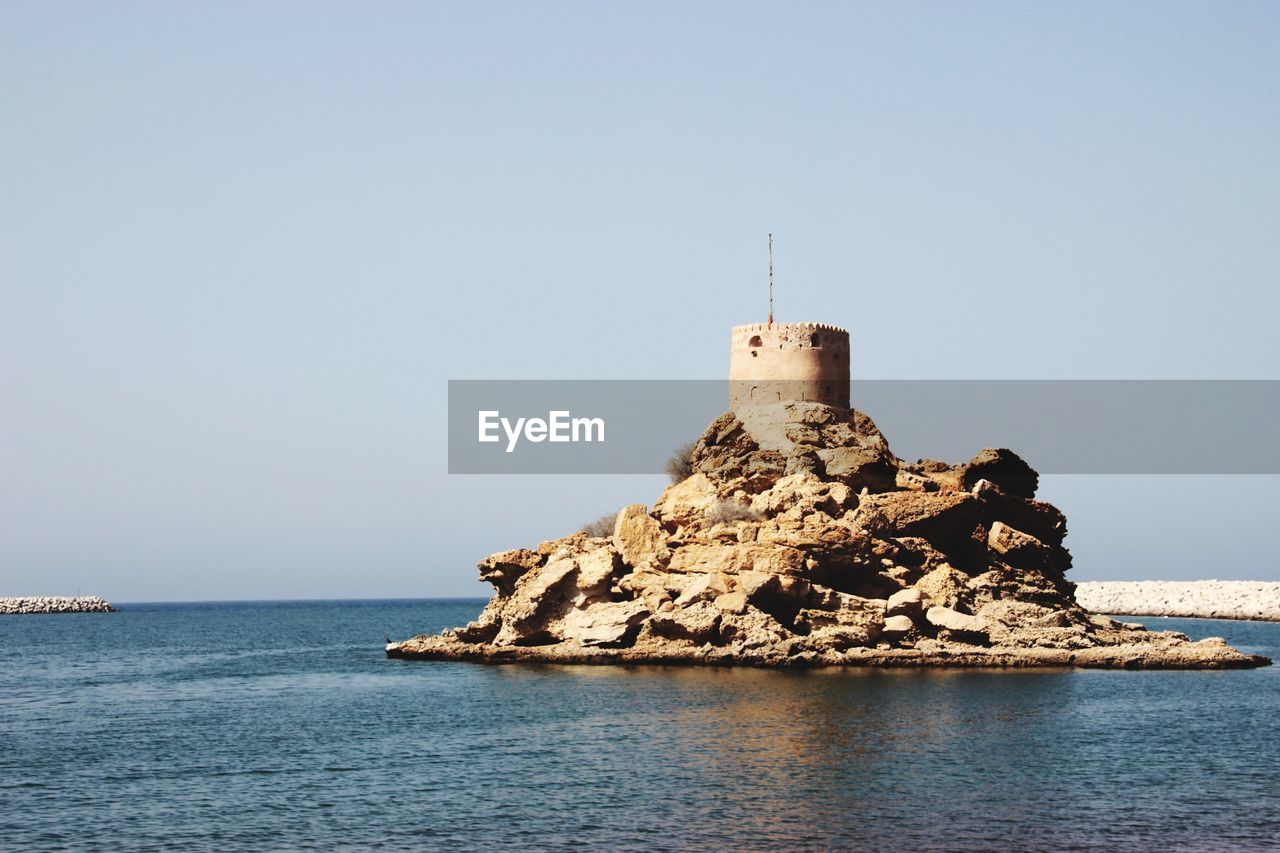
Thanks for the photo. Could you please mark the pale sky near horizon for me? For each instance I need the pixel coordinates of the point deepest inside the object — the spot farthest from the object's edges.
(244, 245)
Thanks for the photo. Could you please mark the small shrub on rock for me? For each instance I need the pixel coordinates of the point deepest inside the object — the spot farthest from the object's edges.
(729, 511)
(680, 465)
(602, 526)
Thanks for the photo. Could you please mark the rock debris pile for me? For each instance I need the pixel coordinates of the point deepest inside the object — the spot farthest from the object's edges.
(801, 540)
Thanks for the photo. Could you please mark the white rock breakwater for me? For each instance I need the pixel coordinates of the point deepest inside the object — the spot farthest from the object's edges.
(1210, 599)
(54, 604)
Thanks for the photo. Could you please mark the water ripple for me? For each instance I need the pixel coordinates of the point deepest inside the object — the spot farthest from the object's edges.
(248, 727)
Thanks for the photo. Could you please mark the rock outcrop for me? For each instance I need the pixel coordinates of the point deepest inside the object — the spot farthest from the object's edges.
(54, 604)
(801, 540)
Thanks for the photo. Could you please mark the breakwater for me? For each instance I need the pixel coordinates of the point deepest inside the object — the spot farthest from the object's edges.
(12, 606)
(1209, 599)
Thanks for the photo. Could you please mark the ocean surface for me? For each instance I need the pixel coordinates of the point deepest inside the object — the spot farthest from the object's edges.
(250, 726)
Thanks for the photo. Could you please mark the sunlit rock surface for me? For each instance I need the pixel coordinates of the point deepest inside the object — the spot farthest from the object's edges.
(801, 540)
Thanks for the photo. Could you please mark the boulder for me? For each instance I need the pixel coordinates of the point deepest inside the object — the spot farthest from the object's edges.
(1004, 468)
(596, 569)
(944, 585)
(732, 602)
(723, 448)
(945, 519)
(910, 481)
(898, 624)
(687, 501)
(1041, 520)
(1018, 548)
(754, 583)
(703, 587)
(538, 600)
(697, 623)
(954, 620)
(839, 617)
(506, 567)
(906, 601)
(736, 557)
(603, 623)
(638, 536)
(750, 628)
(653, 586)
(805, 492)
(944, 477)
(859, 467)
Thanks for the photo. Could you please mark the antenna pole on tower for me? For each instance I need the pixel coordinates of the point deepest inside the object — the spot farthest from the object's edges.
(770, 280)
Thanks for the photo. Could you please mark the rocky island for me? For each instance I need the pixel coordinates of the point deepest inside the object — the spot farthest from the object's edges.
(799, 539)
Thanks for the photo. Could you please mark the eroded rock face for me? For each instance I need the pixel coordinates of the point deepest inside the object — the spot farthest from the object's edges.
(801, 540)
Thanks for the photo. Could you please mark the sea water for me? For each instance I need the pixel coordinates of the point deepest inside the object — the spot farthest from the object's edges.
(249, 726)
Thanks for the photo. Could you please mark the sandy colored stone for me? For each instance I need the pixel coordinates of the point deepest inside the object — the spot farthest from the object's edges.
(506, 567)
(935, 565)
(686, 501)
(638, 536)
(732, 602)
(906, 601)
(735, 557)
(603, 623)
(953, 620)
(898, 624)
(700, 588)
(1017, 547)
(698, 622)
(596, 568)
(944, 585)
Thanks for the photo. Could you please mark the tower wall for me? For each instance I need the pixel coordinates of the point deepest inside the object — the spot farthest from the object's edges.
(790, 361)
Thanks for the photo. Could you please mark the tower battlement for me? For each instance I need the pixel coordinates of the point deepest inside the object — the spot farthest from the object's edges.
(755, 327)
(770, 363)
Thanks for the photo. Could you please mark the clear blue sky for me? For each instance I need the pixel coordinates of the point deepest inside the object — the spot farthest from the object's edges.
(243, 245)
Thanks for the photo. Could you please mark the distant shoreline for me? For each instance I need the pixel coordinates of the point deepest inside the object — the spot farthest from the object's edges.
(1207, 599)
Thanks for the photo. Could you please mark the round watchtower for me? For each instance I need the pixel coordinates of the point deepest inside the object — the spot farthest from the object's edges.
(775, 362)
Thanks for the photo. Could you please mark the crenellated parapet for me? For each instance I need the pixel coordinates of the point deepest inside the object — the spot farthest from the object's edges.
(774, 362)
(827, 327)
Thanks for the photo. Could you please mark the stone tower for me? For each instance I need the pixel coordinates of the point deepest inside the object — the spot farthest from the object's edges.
(775, 362)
